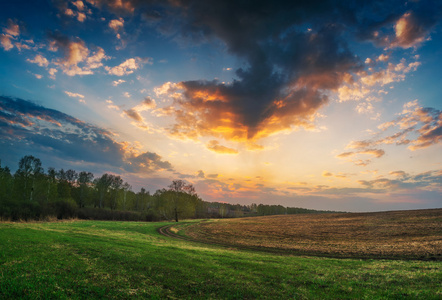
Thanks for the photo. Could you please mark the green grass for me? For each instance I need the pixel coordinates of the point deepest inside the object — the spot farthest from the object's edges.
(93, 259)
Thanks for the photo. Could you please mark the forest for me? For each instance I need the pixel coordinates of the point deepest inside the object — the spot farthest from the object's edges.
(33, 194)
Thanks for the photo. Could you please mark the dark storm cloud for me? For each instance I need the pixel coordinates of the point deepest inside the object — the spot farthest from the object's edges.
(25, 125)
(296, 51)
(294, 54)
(289, 66)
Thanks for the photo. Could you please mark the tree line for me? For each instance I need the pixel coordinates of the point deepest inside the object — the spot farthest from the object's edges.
(33, 194)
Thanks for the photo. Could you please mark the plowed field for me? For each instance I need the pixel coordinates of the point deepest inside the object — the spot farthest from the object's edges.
(398, 234)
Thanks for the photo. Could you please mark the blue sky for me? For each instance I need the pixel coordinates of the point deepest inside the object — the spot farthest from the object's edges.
(326, 104)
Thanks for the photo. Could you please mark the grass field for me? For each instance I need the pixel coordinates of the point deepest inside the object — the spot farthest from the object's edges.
(120, 260)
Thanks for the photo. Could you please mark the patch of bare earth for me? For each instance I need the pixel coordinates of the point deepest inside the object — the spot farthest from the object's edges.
(398, 234)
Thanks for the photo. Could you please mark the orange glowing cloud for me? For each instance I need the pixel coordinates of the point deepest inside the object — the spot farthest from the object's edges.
(216, 147)
(215, 109)
(408, 31)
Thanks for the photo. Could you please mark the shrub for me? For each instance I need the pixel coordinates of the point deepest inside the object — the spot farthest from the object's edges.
(66, 208)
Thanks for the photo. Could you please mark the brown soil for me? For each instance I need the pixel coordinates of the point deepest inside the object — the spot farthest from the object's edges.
(399, 234)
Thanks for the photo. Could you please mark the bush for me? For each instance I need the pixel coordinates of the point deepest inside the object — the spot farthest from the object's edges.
(89, 213)
(66, 208)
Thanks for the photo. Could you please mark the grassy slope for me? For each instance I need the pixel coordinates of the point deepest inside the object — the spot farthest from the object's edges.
(92, 259)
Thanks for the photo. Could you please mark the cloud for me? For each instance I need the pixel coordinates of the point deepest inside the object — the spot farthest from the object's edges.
(5, 41)
(13, 29)
(81, 17)
(69, 12)
(95, 61)
(52, 73)
(216, 147)
(401, 25)
(77, 59)
(39, 60)
(383, 57)
(200, 174)
(398, 173)
(78, 4)
(375, 152)
(111, 105)
(10, 33)
(146, 104)
(35, 129)
(409, 31)
(430, 180)
(148, 162)
(358, 144)
(74, 95)
(128, 66)
(288, 71)
(346, 154)
(73, 9)
(354, 156)
(118, 82)
(416, 126)
(360, 87)
(117, 6)
(338, 175)
(133, 114)
(116, 24)
(419, 127)
(262, 101)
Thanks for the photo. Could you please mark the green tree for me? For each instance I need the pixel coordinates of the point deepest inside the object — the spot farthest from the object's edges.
(126, 188)
(29, 168)
(52, 189)
(102, 185)
(6, 186)
(182, 198)
(116, 185)
(84, 180)
(63, 186)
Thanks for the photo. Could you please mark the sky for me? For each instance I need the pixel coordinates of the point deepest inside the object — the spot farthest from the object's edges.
(332, 105)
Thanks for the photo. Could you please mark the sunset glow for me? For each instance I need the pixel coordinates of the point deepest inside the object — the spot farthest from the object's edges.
(331, 105)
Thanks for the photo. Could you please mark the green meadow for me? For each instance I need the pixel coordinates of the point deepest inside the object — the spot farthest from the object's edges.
(121, 260)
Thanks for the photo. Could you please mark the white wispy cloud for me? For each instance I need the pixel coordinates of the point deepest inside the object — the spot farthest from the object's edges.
(118, 82)
(128, 66)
